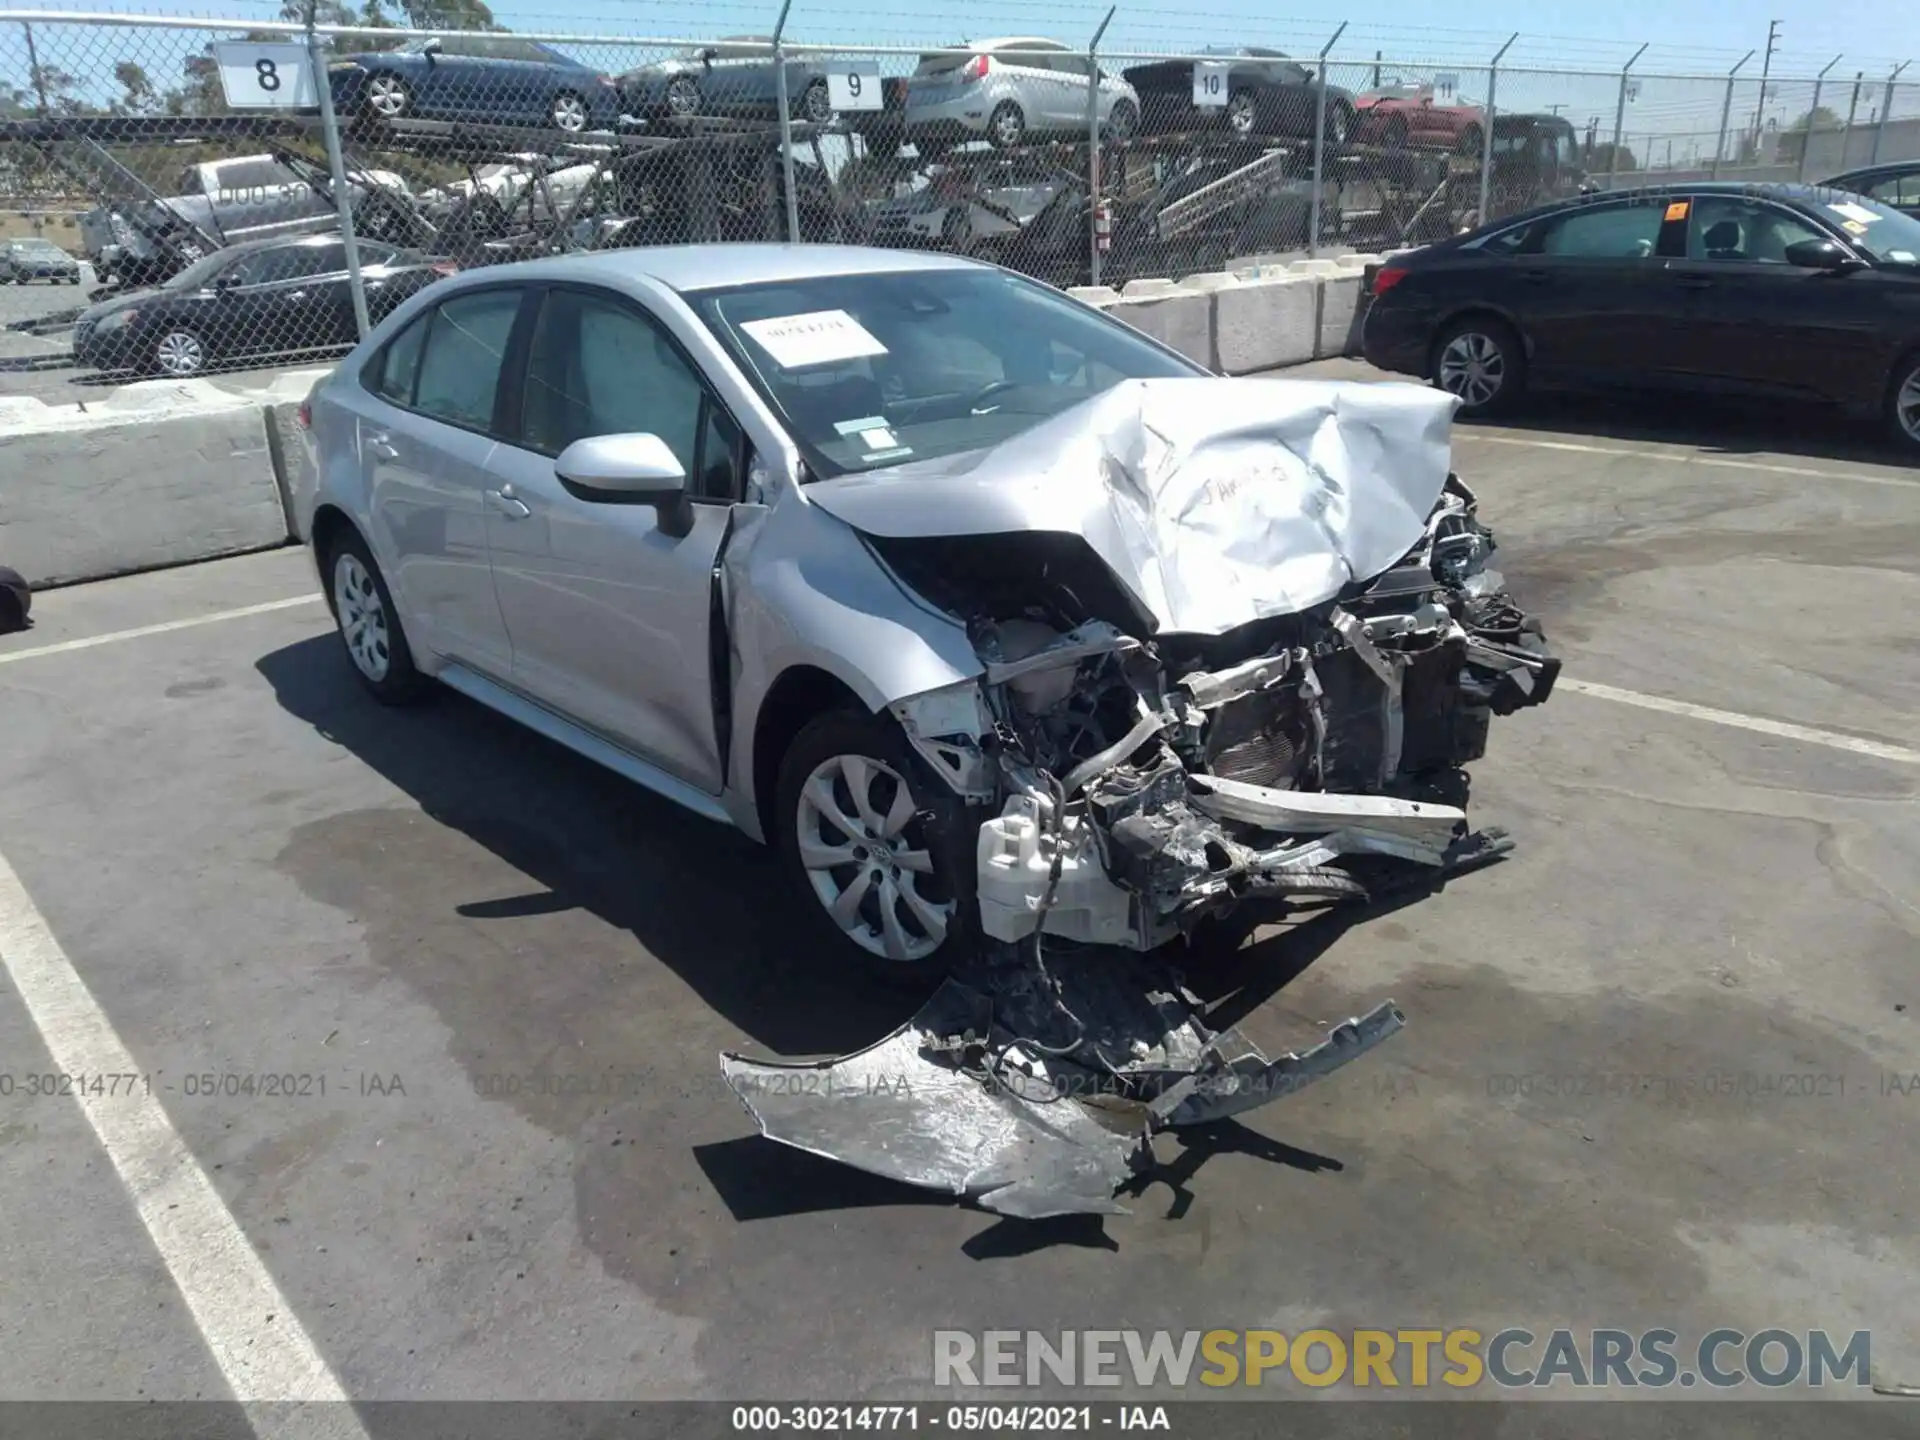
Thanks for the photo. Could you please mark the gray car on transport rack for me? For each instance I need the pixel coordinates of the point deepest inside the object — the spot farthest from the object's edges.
(992, 614)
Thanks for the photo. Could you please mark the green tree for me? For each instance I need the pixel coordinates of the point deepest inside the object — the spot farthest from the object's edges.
(1603, 163)
(137, 95)
(1793, 140)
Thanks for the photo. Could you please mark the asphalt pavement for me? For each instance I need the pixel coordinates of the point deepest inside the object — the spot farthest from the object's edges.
(1598, 1115)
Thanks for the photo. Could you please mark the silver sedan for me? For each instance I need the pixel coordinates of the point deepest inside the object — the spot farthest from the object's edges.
(995, 616)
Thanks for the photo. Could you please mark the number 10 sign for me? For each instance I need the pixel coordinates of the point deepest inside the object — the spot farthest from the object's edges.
(265, 76)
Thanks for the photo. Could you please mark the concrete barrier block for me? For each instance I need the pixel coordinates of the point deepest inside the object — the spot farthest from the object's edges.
(1264, 324)
(1154, 286)
(1208, 281)
(1340, 315)
(1313, 267)
(1184, 321)
(149, 482)
(1101, 295)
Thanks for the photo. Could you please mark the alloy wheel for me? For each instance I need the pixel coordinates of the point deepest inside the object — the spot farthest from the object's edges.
(387, 96)
(1008, 126)
(816, 104)
(683, 97)
(859, 841)
(179, 353)
(1473, 367)
(569, 113)
(363, 618)
(1906, 406)
(1240, 114)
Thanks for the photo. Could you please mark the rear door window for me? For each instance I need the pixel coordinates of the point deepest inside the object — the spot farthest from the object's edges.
(1609, 232)
(465, 349)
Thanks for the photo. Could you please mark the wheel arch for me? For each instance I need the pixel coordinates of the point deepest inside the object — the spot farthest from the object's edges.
(800, 693)
(1475, 309)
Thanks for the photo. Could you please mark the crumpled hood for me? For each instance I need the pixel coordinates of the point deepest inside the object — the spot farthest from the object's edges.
(1214, 502)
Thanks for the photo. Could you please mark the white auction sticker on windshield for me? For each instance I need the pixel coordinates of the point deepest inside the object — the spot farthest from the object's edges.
(1847, 210)
(818, 337)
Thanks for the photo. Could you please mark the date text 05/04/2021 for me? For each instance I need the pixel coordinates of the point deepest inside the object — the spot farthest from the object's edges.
(959, 1419)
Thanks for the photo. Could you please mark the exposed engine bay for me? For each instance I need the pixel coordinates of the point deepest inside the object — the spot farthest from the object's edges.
(1136, 786)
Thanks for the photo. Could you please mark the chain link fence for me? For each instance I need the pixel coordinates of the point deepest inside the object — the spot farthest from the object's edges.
(268, 189)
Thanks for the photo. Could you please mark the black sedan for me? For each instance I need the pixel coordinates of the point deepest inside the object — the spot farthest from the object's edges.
(269, 297)
(1896, 184)
(1785, 291)
(1264, 92)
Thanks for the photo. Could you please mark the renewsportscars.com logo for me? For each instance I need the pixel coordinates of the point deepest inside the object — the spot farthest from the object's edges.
(1458, 1359)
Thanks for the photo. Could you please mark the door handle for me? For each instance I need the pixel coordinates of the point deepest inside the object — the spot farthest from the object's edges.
(381, 446)
(1696, 282)
(507, 503)
(1536, 276)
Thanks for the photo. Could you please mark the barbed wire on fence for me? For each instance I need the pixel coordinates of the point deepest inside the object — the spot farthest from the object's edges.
(212, 158)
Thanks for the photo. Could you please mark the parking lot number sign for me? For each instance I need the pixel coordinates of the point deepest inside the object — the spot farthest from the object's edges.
(854, 85)
(1210, 83)
(265, 76)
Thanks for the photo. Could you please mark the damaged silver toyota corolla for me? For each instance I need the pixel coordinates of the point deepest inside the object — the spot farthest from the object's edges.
(1033, 648)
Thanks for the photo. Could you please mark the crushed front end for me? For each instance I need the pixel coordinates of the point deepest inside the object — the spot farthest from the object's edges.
(1138, 785)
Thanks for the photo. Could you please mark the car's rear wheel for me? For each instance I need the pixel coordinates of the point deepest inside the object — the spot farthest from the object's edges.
(877, 847)
(1480, 360)
(1123, 122)
(683, 96)
(179, 352)
(816, 105)
(1339, 124)
(1903, 406)
(369, 626)
(569, 113)
(1241, 114)
(1471, 142)
(1395, 134)
(388, 97)
(1007, 126)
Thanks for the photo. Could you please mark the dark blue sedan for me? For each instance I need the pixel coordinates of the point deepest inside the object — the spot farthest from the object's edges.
(493, 78)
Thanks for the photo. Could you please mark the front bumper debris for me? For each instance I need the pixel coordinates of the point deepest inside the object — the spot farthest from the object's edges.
(1034, 1088)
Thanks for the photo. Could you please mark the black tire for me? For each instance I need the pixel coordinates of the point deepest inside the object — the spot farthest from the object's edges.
(1242, 115)
(1339, 124)
(400, 682)
(682, 96)
(179, 354)
(1007, 126)
(398, 107)
(1903, 405)
(563, 108)
(940, 827)
(882, 144)
(815, 105)
(1483, 347)
(1471, 142)
(1123, 122)
(1394, 136)
(956, 229)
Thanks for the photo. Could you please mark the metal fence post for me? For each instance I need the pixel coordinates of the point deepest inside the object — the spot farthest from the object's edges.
(337, 167)
(1886, 108)
(1093, 150)
(1620, 117)
(1726, 115)
(1486, 133)
(1320, 140)
(786, 124)
(1813, 111)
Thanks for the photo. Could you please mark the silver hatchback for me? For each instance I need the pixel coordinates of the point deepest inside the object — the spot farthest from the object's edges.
(1010, 91)
(993, 615)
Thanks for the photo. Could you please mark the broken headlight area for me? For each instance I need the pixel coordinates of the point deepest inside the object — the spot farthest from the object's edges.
(1134, 784)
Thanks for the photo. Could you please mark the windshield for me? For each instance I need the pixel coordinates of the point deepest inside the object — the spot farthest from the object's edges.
(869, 371)
(1889, 236)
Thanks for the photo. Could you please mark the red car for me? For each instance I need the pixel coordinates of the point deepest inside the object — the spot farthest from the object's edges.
(1396, 118)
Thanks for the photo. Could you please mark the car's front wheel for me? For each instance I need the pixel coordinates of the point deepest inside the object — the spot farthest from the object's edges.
(1903, 409)
(179, 353)
(369, 626)
(879, 850)
(388, 97)
(569, 113)
(1480, 360)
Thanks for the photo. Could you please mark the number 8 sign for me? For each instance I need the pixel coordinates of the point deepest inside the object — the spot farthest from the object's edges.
(265, 76)
(1210, 83)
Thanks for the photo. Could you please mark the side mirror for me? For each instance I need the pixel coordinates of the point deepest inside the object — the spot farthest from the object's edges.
(628, 470)
(1822, 255)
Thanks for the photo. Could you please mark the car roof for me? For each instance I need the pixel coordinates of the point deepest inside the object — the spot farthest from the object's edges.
(689, 268)
(1009, 42)
(1873, 172)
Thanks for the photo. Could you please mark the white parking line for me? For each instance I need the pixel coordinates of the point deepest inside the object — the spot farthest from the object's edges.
(258, 1343)
(1805, 734)
(163, 628)
(1687, 458)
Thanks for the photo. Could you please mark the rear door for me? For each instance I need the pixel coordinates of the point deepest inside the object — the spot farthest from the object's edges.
(1757, 322)
(1592, 292)
(427, 428)
(608, 611)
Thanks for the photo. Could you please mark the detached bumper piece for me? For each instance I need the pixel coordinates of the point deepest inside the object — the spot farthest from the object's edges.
(1033, 1088)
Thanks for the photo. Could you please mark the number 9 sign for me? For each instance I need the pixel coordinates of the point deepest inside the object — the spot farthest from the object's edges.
(1210, 83)
(265, 76)
(854, 85)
